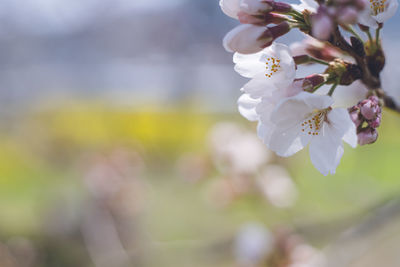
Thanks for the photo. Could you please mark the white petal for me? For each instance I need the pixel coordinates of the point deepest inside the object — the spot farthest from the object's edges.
(325, 153)
(266, 108)
(366, 19)
(326, 149)
(390, 10)
(252, 65)
(340, 119)
(230, 7)
(286, 141)
(297, 107)
(247, 107)
(249, 65)
(259, 87)
(264, 131)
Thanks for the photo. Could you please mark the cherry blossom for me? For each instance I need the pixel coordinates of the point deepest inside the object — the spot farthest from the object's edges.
(309, 119)
(378, 11)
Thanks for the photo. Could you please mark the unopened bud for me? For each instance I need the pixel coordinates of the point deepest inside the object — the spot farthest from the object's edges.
(367, 136)
(347, 15)
(369, 109)
(322, 25)
(247, 39)
(281, 7)
(261, 20)
(363, 28)
(355, 117)
(255, 7)
(376, 123)
(302, 59)
(316, 79)
(275, 32)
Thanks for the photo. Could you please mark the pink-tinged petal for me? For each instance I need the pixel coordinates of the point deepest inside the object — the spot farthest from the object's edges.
(247, 39)
(230, 7)
(255, 6)
(247, 107)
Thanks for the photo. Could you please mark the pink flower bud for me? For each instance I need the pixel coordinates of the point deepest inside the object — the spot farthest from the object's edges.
(280, 7)
(361, 4)
(347, 15)
(369, 109)
(261, 20)
(375, 123)
(275, 31)
(367, 136)
(355, 116)
(322, 25)
(374, 99)
(315, 79)
(247, 39)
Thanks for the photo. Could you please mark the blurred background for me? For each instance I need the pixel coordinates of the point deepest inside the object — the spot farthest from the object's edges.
(121, 145)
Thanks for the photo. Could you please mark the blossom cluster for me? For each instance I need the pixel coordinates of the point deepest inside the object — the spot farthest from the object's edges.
(293, 112)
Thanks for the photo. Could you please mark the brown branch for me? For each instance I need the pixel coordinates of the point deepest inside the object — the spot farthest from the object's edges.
(391, 103)
(370, 80)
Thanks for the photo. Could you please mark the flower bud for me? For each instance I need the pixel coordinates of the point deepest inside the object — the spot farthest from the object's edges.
(369, 109)
(375, 123)
(367, 136)
(254, 7)
(261, 20)
(247, 39)
(322, 25)
(347, 15)
(315, 79)
(355, 115)
(281, 7)
(276, 31)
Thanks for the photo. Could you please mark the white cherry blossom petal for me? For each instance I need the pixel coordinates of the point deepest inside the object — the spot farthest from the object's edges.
(275, 64)
(258, 87)
(287, 141)
(294, 108)
(340, 118)
(325, 154)
(378, 11)
(247, 107)
(308, 118)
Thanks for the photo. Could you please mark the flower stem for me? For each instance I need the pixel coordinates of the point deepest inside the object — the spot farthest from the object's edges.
(315, 88)
(330, 93)
(369, 36)
(316, 60)
(377, 33)
(352, 31)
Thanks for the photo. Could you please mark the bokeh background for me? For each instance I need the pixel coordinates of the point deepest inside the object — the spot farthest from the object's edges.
(121, 145)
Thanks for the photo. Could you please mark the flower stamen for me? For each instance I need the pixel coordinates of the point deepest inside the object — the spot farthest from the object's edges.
(378, 6)
(273, 65)
(312, 125)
